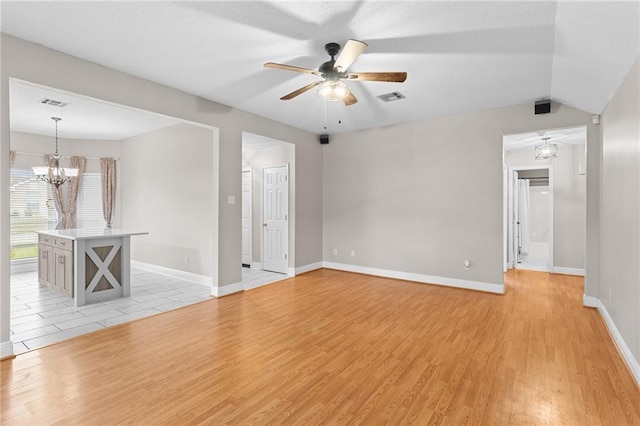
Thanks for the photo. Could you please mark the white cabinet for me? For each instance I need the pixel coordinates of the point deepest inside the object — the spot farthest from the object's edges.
(55, 263)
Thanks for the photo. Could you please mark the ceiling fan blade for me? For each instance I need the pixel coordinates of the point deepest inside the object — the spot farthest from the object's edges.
(349, 54)
(290, 68)
(394, 77)
(350, 99)
(301, 90)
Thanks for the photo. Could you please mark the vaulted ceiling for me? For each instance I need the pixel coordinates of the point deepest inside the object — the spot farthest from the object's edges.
(460, 56)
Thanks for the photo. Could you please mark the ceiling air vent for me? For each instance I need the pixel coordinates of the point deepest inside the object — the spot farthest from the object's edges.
(53, 102)
(390, 97)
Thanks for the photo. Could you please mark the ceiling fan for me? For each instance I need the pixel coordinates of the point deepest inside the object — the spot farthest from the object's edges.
(332, 87)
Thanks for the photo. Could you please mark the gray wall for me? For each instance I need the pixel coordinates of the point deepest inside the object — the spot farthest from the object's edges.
(424, 196)
(167, 178)
(257, 160)
(620, 210)
(30, 62)
(569, 201)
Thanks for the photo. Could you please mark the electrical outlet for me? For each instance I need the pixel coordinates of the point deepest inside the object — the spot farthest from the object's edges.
(186, 259)
(335, 252)
(467, 264)
(353, 253)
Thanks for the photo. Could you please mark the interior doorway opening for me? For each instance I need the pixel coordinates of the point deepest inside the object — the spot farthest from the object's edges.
(270, 238)
(544, 200)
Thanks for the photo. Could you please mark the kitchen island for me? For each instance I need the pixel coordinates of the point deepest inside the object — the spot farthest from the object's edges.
(88, 264)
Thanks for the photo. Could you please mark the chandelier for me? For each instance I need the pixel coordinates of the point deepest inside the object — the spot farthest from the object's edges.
(546, 150)
(54, 174)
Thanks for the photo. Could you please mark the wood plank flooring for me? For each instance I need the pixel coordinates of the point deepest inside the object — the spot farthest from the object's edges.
(331, 347)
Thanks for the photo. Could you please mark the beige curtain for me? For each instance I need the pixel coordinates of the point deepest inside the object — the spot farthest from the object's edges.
(108, 171)
(12, 158)
(74, 186)
(66, 209)
(57, 196)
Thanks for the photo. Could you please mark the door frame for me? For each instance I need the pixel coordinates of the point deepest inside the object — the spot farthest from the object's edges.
(262, 210)
(250, 171)
(508, 214)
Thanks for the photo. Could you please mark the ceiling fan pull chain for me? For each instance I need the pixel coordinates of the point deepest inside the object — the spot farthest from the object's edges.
(339, 112)
(325, 113)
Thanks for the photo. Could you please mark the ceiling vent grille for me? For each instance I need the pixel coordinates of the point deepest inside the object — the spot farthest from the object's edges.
(53, 102)
(390, 97)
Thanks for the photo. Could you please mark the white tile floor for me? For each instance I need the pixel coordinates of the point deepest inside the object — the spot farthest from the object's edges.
(41, 316)
(537, 259)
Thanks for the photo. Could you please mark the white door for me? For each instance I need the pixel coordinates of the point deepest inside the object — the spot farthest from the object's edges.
(246, 217)
(275, 214)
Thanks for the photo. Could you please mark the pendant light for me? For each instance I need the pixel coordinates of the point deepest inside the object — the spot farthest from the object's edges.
(54, 174)
(546, 150)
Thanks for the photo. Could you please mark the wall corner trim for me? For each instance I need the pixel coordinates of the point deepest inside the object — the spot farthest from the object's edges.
(308, 268)
(419, 278)
(174, 273)
(6, 350)
(568, 271)
(589, 301)
(623, 349)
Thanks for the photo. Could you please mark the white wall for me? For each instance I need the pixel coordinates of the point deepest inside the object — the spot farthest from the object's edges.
(422, 197)
(540, 214)
(569, 201)
(620, 211)
(167, 178)
(257, 160)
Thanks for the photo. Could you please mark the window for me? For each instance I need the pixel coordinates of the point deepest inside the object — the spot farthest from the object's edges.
(89, 209)
(32, 209)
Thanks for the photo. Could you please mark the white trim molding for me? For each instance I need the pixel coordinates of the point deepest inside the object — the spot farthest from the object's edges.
(420, 278)
(291, 271)
(589, 301)
(174, 273)
(6, 350)
(226, 289)
(256, 265)
(308, 268)
(624, 350)
(568, 271)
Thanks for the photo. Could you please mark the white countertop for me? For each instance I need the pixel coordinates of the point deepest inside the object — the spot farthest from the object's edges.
(90, 233)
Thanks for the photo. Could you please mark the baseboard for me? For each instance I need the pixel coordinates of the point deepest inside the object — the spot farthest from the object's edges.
(624, 350)
(426, 279)
(309, 267)
(227, 289)
(568, 271)
(589, 301)
(256, 265)
(291, 271)
(6, 350)
(19, 266)
(174, 273)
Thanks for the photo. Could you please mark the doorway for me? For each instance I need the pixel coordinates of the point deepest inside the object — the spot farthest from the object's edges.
(531, 218)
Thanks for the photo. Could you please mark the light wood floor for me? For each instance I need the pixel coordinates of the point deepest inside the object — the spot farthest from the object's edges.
(330, 347)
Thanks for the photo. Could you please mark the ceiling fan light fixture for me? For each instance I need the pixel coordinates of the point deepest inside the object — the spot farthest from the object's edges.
(546, 150)
(333, 90)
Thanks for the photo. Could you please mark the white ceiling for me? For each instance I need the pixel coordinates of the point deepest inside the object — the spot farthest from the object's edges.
(460, 56)
(569, 136)
(82, 118)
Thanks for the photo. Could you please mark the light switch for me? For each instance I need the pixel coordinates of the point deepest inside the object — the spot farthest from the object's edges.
(232, 199)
